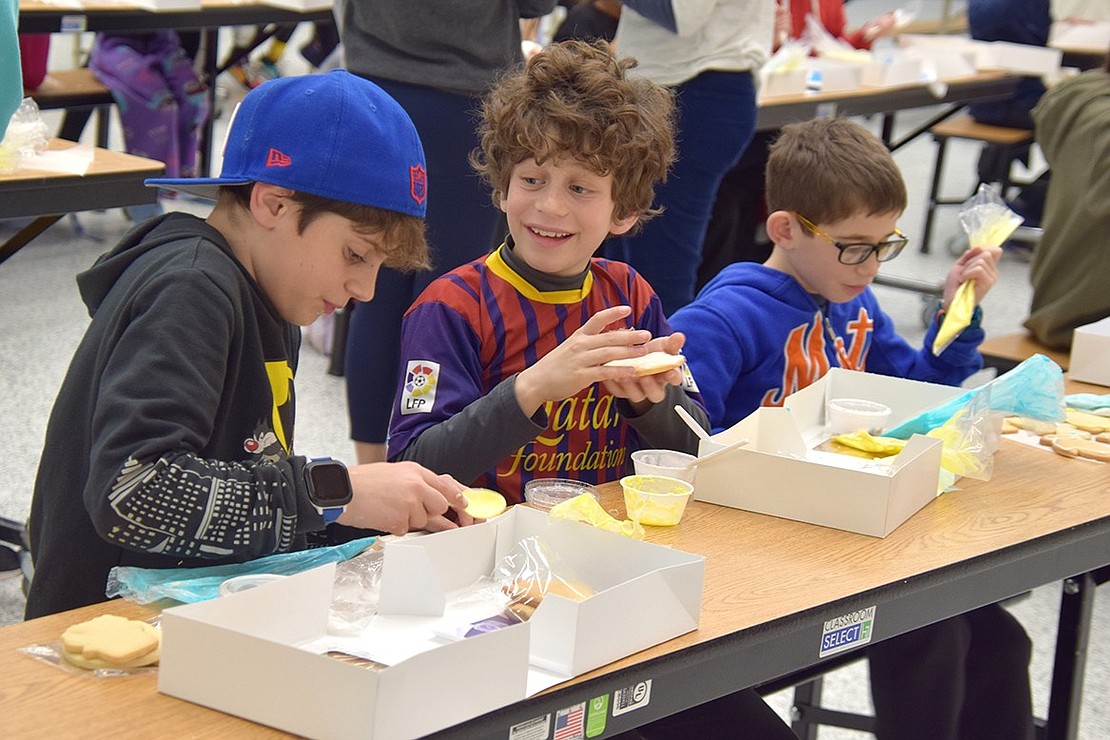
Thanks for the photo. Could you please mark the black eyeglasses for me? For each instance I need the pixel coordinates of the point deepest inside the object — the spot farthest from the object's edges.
(857, 254)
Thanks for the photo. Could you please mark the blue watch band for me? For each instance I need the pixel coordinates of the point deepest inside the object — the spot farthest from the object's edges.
(332, 515)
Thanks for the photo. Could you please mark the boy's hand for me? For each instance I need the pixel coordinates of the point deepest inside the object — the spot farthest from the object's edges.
(579, 360)
(643, 392)
(403, 497)
(979, 264)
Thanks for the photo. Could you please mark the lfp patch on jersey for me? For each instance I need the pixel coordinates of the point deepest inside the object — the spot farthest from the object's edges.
(419, 394)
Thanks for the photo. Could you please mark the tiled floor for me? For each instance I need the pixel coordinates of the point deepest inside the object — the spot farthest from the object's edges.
(41, 320)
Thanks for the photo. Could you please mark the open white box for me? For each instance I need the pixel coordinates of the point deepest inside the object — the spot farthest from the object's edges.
(1090, 353)
(892, 68)
(644, 594)
(779, 473)
(256, 654)
(779, 83)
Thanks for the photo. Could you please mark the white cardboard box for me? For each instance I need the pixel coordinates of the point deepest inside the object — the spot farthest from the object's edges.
(835, 75)
(256, 654)
(779, 473)
(1090, 353)
(895, 69)
(645, 594)
(244, 654)
(1092, 37)
(779, 83)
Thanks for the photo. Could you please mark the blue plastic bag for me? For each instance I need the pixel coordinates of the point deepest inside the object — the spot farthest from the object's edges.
(1034, 389)
(189, 585)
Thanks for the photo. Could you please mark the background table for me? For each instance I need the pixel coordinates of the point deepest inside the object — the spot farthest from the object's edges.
(112, 15)
(114, 180)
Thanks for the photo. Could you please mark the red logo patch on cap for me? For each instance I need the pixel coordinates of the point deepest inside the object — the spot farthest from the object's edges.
(276, 158)
(418, 183)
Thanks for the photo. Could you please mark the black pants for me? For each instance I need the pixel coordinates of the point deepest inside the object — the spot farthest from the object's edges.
(961, 679)
(740, 716)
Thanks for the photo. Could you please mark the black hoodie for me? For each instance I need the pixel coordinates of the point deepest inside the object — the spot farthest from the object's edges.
(169, 443)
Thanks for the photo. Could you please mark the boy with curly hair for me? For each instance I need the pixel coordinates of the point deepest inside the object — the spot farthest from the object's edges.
(509, 351)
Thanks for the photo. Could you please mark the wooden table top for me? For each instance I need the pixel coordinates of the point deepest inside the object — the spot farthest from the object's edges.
(758, 569)
(105, 162)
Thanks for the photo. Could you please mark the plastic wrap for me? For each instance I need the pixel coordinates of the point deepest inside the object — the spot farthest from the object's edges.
(531, 571)
(51, 653)
(189, 585)
(27, 135)
(1034, 389)
(355, 592)
(988, 222)
(586, 509)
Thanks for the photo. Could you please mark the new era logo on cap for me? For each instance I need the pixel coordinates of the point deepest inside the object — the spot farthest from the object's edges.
(276, 158)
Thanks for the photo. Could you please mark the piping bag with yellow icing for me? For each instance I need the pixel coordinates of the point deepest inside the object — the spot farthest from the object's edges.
(988, 222)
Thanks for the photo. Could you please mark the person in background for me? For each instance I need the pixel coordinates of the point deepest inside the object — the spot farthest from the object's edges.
(589, 19)
(1019, 22)
(764, 331)
(162, 101)
(709, 52)
(1070, 276)
(436, 60)
(735, 232)
(34, 55)
(171, 441)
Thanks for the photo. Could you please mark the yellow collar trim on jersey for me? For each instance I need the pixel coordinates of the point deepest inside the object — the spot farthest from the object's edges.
(501, 269)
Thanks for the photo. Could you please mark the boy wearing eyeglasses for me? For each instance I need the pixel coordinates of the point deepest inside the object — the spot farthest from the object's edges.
(758, 332)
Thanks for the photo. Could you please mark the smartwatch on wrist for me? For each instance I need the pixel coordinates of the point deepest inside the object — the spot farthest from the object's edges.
(329, 487)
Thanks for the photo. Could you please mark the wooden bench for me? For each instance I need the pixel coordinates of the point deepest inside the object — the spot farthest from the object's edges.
(79, 93)
(1014, 140)
(1005, 351)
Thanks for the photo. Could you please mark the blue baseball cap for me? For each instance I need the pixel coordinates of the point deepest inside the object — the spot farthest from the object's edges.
(335, 135)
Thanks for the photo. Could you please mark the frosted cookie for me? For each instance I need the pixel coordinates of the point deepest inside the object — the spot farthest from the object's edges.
(652, 363)
(1036, 426)
(1088, 422)
(1088, 448)
(1063, 431)
(482, 503)
(109, 641)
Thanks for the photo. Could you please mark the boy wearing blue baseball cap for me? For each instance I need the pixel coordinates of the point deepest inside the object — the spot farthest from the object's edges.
(171, 440)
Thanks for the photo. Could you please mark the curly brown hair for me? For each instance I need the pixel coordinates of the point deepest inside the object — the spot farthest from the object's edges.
(575, 99)
(829, 169)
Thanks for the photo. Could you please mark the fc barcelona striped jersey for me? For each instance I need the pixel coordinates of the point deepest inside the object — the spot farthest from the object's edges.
(482, 323)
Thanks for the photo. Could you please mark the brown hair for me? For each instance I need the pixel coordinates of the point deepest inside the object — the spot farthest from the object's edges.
(576, 99)
(400, 237)
(830, 169)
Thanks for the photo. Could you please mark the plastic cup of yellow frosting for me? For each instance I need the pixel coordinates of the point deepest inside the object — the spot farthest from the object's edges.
(655, 500)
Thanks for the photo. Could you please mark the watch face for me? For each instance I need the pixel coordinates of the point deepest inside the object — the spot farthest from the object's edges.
(329, 484)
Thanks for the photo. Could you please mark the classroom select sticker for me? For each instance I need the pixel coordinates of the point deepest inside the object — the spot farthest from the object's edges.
(848, 631)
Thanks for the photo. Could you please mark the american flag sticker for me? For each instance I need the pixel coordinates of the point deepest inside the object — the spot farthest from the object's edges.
(569, 723)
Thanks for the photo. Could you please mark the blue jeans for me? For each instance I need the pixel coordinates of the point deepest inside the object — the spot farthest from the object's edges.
(460, 224)
(716, 120)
